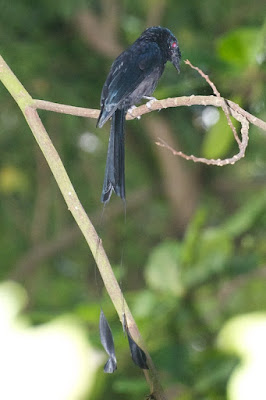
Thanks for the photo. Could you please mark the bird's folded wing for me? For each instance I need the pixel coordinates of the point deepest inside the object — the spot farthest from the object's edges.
(127, 73)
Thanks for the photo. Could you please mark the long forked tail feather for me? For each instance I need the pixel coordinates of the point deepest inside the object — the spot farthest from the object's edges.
(114, 178)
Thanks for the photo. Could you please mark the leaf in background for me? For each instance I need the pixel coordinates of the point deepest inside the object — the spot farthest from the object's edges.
(191, 238)
(13, 180)
(243, 219)
(213, 251)
(144, 304)
(218, 139)
(241, 47)
(125, 386)
(137, 354)
(162, 271)
(108, 344)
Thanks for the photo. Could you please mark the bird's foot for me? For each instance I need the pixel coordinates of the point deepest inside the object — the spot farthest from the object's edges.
(130, 112)
(150, 102)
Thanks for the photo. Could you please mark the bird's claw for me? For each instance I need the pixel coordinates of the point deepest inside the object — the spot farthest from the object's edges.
(130, 112)
(150, 102)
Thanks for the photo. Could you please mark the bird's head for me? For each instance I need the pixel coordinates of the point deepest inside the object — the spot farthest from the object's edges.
(167, 42)
(174, 52)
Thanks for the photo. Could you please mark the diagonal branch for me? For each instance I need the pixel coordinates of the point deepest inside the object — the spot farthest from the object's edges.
(28, 108)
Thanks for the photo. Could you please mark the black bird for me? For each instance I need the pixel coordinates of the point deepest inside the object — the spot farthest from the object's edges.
(133, 75)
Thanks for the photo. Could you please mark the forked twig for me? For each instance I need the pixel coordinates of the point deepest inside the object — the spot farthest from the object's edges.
(228, 110)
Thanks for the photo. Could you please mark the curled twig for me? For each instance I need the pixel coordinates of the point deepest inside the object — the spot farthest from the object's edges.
(242, 145)
(225, 107)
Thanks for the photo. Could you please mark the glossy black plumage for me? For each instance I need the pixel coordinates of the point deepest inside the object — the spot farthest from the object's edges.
(137, 354)
(133, 75)
(108, 344)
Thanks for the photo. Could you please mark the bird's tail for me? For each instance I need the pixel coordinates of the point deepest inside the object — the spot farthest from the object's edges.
(114, 178)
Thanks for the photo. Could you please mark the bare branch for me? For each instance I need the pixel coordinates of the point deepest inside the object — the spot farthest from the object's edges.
(206, 77)
(65, 109)
(193, 100)
(235, 110)
(251, 118)
(171, 102)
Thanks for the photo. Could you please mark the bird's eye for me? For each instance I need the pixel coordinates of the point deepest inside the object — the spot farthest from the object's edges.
(174, 44)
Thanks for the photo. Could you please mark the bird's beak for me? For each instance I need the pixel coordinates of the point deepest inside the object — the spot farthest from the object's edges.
(176, 56)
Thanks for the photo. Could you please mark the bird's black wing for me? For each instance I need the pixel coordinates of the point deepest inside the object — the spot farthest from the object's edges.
(126, 74)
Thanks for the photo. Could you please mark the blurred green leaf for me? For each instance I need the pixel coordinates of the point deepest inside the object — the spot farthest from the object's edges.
(162, 271)
(219, 138)
(144, 304)
(138, 386)
(217, 369)
(212, 243)
(169, 353)
(13, 180)
(246, 216)
(241, 47)
(191, 239)
(213, 250)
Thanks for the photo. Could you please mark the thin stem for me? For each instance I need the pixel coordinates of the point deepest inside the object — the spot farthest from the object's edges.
(28, 107)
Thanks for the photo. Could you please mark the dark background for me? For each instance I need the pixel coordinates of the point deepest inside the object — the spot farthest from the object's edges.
(194, 241)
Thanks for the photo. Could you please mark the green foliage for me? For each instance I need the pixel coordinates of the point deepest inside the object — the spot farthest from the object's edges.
(246, 216)
(241, 47)
(162, 268)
